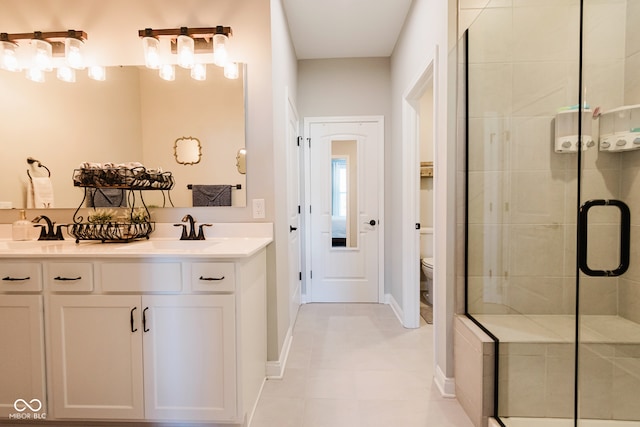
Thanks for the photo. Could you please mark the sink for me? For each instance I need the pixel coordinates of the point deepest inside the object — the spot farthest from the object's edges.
(169, 245)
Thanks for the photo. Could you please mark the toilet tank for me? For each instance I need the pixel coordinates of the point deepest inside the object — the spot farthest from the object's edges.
(426, 242)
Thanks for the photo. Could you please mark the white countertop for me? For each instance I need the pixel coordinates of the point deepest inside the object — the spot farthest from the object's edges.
(223, 241)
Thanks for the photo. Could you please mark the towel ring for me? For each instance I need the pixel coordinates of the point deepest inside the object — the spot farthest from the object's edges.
(31, 161)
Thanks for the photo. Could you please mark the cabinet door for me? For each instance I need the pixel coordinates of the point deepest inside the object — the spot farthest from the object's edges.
(190, 357)
(96, 356)
(22, 355)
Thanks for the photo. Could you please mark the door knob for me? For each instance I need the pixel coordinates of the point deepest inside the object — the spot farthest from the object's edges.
(372, 222)
(292, 228)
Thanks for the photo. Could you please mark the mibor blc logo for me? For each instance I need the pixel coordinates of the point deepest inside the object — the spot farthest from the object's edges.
(27, 410)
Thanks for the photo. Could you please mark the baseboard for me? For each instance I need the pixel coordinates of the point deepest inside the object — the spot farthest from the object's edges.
(446, 386)
(397, 310)
(249, 419)
(275, 369)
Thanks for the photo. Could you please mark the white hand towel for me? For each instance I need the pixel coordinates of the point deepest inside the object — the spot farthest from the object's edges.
(40, 194)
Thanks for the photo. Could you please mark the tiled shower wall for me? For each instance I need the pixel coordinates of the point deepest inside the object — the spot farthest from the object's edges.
(524, 65)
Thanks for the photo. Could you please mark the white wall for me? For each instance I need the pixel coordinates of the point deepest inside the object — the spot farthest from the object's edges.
(281, 317)
(429, 31)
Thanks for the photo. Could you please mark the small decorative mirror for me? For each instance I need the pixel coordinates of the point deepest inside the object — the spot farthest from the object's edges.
(241, 160)
(187, 150)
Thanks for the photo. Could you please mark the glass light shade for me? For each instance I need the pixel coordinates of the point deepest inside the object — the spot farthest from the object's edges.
(199, 72)
(151, 46)
(231, 70)
(8, 56)
(42, 55)
(97, 72)
(73, 53)
(220, 54)
(186, 51)
(35, 75)
(168, 72)
(66, 74)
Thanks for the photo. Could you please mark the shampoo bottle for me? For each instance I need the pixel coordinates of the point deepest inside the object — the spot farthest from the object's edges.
(21, 227)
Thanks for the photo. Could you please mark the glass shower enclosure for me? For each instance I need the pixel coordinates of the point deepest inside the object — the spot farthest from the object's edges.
(553, 207)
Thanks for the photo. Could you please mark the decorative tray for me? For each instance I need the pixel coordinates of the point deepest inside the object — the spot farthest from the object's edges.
(118, 232)
(137, 178)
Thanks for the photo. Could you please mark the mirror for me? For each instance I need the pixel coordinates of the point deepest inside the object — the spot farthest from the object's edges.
(344, 193)
(133, 116)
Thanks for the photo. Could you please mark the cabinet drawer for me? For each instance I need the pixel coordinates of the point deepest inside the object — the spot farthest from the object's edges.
(213, 276)
(69, 276)
(20, 277)
(141, 276)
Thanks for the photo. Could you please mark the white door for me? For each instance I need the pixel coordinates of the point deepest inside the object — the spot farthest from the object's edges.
(189, 357)
(346, 186)
(96, 356)
(293, 209)
(22, 356)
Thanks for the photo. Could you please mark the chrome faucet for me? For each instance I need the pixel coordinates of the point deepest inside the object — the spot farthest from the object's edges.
(48, 231)
(191, 235)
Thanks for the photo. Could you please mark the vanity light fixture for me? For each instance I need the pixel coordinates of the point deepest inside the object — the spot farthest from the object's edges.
(168, 72)
(186, 49)
(199, 72)
(97, 72)
(41, 53)
(35, 74)
(231, 70)
(189, 44)
(220, 55)
(66, 74)
(44, 47)
(8, 57)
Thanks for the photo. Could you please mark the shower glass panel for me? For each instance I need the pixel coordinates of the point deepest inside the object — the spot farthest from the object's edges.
(552, 166)
(609, 305)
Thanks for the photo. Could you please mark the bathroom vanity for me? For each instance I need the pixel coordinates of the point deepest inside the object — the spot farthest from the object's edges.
(153, 330)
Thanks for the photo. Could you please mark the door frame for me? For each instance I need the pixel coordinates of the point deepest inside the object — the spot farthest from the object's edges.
(308, 121)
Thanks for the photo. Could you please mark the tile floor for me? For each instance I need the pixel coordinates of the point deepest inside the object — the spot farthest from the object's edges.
(354, 365)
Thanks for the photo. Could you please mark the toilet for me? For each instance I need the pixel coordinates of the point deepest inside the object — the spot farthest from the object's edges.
(426, 262)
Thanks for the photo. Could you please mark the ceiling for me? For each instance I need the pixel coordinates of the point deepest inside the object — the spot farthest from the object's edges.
(345, 28)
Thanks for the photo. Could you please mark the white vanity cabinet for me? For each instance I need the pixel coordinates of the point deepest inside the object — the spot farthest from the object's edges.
(169, 339)
(153, 356)
(22, 358)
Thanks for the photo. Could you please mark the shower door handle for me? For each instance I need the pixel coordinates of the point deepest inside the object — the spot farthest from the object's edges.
(625, 231)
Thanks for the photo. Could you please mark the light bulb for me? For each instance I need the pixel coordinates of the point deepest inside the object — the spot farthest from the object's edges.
(199, 72)
(66, 74)
(168, 72)
(151, 46)
(8, 57)
(98, 73)
(231, 70)
(73, 53)
(42, 54)
(186, 51)
(35, 75)
(220, 50)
